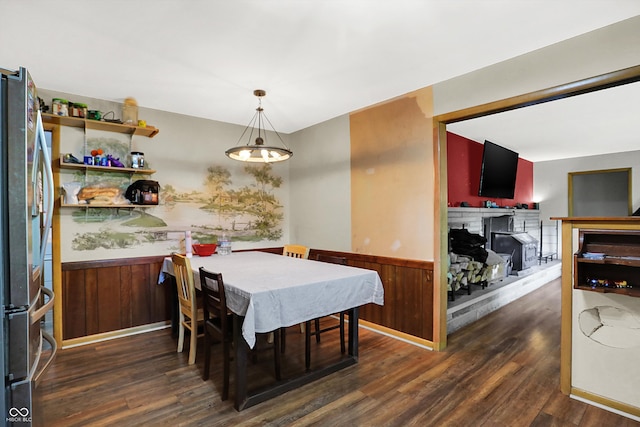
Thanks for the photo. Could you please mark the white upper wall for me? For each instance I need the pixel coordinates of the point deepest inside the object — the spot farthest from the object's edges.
(320, 172)
(551, 182)
(611, 48)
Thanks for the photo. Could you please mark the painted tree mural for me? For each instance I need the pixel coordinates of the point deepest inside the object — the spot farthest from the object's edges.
(263, 204)
(216, 181)
(249, 213)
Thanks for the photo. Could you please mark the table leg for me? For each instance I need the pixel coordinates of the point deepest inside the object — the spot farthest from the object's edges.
(241, 362)
(244, 399)
(353, 333)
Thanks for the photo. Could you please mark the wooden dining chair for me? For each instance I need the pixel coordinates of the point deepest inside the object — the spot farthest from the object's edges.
(296, 251)
(218, 325)
(308, 333)
(191, 316)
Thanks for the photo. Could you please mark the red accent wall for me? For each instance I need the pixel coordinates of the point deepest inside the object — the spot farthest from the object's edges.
(464, 160)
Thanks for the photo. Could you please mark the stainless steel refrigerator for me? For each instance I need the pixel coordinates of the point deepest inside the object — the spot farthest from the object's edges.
(26, 207)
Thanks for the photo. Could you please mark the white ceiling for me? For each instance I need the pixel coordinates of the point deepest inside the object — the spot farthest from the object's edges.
(601, 122)
(316, 59)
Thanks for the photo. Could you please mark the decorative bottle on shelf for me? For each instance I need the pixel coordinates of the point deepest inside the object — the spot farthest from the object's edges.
(188, 244)
(130, 112)
(224, 245)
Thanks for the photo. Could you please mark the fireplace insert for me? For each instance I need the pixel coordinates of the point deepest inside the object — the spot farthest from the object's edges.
(521, 246)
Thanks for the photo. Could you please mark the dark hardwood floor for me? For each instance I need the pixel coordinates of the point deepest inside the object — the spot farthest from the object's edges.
(500, 371)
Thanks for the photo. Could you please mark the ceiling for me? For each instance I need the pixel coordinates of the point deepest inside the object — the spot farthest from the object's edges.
(316, 59)
(596, 123)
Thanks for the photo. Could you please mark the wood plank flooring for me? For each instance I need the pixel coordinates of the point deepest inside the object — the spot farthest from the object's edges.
(500, 371)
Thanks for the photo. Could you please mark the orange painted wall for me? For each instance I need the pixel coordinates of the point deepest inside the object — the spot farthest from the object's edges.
(392, 178)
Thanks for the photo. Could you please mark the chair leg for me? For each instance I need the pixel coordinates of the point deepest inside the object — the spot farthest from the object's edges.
(193, 342)
(276, 353)
(225, 369)
(207, 356)
(181, 333)
(342, 346)
(317, 324)
(307, 345)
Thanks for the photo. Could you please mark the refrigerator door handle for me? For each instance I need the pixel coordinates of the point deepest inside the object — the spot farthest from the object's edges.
(40, 312)
(54, 350)
(42, 143)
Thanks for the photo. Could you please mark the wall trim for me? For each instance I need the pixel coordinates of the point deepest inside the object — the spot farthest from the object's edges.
(591, 84)
(106, 336)
(579, 87)
(117, 262)
(606, 404)
(392, 333)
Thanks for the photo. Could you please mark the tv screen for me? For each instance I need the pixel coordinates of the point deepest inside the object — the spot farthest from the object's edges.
(498, 173)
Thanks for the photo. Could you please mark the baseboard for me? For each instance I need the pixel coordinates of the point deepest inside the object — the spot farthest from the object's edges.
(610, 405)
(401, 336)
(90, 339)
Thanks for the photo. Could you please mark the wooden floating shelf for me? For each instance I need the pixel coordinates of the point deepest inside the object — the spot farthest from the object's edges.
(77, 122)
(100, 205)
(96, 205)
(104, 168)
(608, 257)
(633, 292)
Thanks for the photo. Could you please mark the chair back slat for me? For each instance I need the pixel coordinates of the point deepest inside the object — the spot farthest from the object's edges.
(185, 285)
(296, 251)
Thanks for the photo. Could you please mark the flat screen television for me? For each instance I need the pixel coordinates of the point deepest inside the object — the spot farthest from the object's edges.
(498, 173)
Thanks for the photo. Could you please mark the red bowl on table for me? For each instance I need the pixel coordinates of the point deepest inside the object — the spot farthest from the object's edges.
(204, 249)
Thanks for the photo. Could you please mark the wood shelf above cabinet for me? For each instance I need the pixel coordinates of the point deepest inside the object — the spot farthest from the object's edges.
(148, 131)
(97, 205)
(109, 169)
(632, 292)
(608, 261)
(101, 205)
(614, 260)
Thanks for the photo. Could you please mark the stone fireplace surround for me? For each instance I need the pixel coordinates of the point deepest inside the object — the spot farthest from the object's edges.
(485, 220)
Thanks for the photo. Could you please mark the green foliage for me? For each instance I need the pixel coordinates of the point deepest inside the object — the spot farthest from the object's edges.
(105, 239)
(99, 215)
(145, 220)
(256, 200)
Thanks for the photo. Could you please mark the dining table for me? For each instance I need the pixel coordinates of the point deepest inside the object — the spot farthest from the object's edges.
(266, 292)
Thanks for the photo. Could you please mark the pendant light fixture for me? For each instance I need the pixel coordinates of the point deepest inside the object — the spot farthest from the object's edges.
(259, 151)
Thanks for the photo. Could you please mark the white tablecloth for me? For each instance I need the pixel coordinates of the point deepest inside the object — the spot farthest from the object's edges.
(273, 291)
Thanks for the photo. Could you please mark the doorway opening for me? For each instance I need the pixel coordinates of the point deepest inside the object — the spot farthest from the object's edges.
(609, 80)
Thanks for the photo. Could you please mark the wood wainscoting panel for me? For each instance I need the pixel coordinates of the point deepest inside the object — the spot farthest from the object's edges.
(408, 292)
(106, 303)
(110, 295)
(74, 303)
